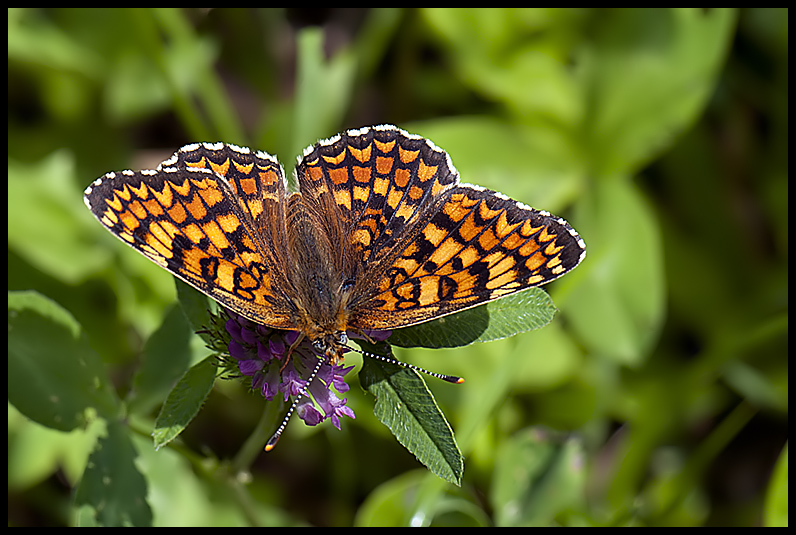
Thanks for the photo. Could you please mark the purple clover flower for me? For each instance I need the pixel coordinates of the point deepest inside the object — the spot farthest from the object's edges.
(260, 353)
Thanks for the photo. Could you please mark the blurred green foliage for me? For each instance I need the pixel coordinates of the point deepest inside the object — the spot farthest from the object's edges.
(659, 394)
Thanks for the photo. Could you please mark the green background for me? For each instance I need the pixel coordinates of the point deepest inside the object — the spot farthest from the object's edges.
(658, 395)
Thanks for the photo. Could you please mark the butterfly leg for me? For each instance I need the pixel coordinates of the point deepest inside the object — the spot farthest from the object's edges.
(289, 353)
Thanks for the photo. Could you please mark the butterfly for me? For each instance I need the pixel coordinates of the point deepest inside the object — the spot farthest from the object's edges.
(380, 234)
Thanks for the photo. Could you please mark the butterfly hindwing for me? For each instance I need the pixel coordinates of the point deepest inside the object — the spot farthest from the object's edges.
(477, 247)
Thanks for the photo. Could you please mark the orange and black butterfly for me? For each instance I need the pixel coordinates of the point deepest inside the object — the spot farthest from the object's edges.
(380, 235)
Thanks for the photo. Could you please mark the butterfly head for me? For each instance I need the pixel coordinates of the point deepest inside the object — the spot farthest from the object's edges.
(332, 345)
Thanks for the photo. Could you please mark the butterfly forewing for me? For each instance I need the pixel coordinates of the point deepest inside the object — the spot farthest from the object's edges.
(382, 183)
(199, 216)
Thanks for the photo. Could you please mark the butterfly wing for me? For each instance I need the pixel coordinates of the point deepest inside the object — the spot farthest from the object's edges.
(213, 215)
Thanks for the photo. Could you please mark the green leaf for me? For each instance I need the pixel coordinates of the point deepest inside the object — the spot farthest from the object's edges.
(54, 376)
(112, 488)
(513, 314)
(406, 406)
(184, 401)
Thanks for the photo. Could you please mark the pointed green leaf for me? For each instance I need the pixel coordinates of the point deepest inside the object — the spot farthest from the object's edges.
(513, 314)
(184, 401)
(406, 406)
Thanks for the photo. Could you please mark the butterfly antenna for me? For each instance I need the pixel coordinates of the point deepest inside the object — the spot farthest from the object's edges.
(449, 378)
(271, 444)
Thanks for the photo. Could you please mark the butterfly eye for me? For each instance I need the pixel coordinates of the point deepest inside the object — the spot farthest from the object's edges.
(319, 345)
(341, 337)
